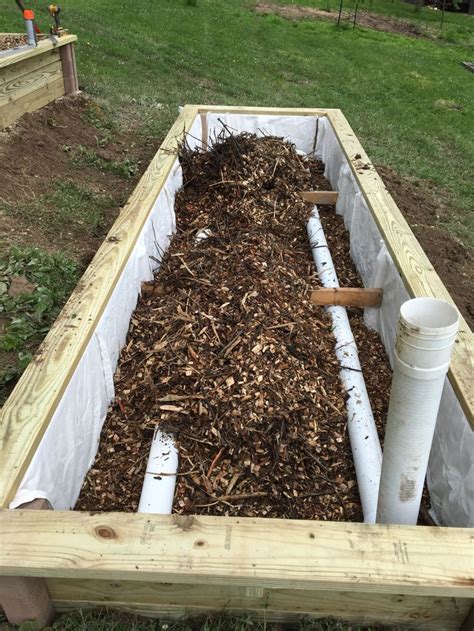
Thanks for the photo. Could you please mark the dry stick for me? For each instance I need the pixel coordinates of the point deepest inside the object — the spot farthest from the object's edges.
(214, 461)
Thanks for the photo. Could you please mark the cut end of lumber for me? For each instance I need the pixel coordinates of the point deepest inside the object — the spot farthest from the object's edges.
(320, 197)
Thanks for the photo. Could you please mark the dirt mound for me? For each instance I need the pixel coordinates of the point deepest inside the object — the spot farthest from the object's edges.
(453, 262)
(38, 154)
(364, 18)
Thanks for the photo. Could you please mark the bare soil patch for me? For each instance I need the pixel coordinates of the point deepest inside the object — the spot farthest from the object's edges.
(364, 18)
(424, 212)
(36, 153)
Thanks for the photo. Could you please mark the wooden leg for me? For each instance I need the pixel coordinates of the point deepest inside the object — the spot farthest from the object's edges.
(27, 598)
(68, 62)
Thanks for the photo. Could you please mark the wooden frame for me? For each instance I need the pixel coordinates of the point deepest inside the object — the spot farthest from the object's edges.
(415, 576)
(33, 77)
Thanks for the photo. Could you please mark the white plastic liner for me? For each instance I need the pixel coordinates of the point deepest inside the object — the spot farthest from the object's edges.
(70, 443)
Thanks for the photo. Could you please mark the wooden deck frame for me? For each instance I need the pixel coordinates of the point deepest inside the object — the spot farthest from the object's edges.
(419, 577)
(33, 77)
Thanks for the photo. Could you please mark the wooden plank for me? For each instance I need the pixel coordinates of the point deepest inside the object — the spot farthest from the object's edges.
(347, 296)
(28, 411)
(249, 110)
(16, 87)
(275, 604)
(415, 268)
(277, 553)
(320, 197)
(31, 101)
(26, 66)
(43, 46)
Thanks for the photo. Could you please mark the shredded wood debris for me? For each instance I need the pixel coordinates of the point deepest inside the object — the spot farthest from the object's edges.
(228, 354)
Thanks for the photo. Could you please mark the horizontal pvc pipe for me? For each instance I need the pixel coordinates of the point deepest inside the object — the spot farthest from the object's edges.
(365, 444)
(426, 334)
(160, 477)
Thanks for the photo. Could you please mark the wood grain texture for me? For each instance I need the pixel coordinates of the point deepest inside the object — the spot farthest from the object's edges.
(37, 95)
(320, 197)
(26, 66)
(347, 296)
(28, 411)
(415, 268)
(277, 553)
(43, 47)
(29, 84)
(419, 612)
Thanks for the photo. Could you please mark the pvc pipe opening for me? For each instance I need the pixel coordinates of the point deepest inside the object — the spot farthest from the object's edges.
(430, 315)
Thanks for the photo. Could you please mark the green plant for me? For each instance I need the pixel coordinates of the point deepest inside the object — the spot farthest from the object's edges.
(27, 314)
(63, 206)
(84, 156)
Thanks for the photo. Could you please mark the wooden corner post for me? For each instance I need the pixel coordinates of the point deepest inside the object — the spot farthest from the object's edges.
(25, 598)
(68, 64)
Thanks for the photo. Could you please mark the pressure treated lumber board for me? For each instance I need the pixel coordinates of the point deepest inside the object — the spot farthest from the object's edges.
(415, 268)
(30, 92)
(272, 554)
(175, 599)
(271, 111)
(43, 47)
(320, 197)
(347, 296)
(28, 65)
(28, 411)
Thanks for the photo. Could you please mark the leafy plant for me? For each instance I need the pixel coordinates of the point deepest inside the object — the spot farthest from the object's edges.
(27, 315)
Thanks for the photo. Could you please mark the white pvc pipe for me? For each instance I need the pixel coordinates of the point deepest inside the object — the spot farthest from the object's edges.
(160, 477)
(427, 330)
(365, 443)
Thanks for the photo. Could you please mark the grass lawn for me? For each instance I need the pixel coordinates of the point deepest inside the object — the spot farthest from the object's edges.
(408, 99)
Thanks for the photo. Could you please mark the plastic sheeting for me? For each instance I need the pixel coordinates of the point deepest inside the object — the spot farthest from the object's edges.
(70, 443)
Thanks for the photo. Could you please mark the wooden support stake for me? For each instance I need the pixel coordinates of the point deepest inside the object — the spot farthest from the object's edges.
(205, 132)
(25, 598)
(320, 197)
(150, 289)
(347, 297)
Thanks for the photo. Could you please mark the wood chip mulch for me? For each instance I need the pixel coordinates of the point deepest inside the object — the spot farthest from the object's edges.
(8, 41)
(231, 357)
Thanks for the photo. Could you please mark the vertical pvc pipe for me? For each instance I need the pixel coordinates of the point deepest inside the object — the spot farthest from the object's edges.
(29, 18)
(365, 443)
(160, 477)
(426, 333)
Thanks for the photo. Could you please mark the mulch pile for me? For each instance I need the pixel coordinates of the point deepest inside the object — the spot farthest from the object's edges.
(13, 40)
(229, 355)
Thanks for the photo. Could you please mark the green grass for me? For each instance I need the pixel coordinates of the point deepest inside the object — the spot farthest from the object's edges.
(65, 206)
(145, 60)
(26, 317)
(103, 620)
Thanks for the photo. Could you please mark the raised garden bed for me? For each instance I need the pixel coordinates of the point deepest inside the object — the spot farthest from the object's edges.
(33, 76)
(411, 576)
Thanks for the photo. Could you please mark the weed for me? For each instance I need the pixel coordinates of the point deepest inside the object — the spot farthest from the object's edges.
(84, 156)
(27, 315)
